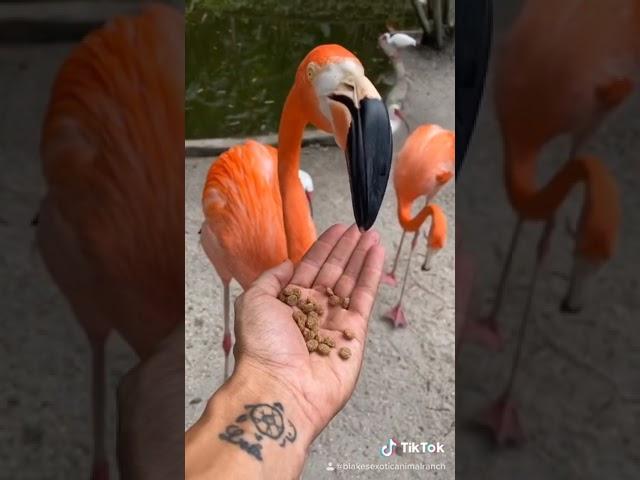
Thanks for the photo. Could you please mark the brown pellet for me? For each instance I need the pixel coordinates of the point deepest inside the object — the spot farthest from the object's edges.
(345, 303)
(344, 353)
(312, 345)
(301, 319)
(348, 334)
(287, 291)
(307, 307)
(292, 300)
(312, 321)
(308, 334)
(297, 292)
(323, 349)
(319, 309)
(328, 341)
(334, 300)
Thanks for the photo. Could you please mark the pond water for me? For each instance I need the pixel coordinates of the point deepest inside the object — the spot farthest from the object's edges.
(241, 55)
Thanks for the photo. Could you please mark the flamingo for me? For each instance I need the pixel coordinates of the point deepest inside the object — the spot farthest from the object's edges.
(110, 225)
(424, 165)
(253, 201)
(565, 82)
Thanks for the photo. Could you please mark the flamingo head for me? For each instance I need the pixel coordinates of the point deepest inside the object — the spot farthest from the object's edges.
(345, 103)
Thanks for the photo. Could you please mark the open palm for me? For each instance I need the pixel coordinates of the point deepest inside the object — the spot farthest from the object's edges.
(268, 339)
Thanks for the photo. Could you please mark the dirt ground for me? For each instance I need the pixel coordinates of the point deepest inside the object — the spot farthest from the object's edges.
(578, 391)
(406, 389)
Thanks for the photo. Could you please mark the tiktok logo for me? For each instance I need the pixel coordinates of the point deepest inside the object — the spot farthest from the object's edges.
(388, 449)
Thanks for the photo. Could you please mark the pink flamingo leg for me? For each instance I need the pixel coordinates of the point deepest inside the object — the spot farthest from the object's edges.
(396, 314)
(390, 278)
(502, 416)
(487, 331)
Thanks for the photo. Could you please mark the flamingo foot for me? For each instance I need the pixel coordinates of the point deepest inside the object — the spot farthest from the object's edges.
(390, 279)
(486, 333)
(503, 421)
(397, 317)
(100, 471)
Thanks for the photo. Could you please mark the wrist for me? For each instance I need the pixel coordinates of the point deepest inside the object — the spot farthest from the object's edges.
(255, 424)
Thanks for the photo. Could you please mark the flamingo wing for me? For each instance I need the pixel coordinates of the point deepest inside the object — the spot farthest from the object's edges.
(243, 210)
(112, 156)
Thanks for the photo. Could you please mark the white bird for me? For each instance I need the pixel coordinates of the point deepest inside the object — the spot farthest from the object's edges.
(398, 40)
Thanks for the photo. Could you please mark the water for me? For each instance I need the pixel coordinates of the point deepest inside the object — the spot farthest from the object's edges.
(241, 56)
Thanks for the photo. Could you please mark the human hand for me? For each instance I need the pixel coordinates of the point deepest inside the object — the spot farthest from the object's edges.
(269, 343)
(297, 393)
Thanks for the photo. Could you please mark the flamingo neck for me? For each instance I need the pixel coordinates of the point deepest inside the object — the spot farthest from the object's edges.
(438, 230)
(299, 228)
(600, 214)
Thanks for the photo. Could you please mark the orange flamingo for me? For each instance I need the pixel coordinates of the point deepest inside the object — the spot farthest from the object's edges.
(255, 211)
(424, 165)
(435, 177)
(110, 226)
(564, 82)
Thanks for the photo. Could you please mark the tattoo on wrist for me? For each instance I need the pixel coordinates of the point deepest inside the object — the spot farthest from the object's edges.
(260, 421)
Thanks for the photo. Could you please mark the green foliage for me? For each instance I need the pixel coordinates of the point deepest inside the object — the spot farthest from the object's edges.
(242, 55)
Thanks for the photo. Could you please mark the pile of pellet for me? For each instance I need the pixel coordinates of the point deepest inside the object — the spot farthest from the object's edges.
(307, 313)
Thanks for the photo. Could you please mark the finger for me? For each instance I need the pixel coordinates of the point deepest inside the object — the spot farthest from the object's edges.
(364, 293)
(338, 259)
(313, 260)
(274, 279)
(349, 277)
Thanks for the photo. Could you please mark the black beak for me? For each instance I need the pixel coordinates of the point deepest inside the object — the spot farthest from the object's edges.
(369, 152)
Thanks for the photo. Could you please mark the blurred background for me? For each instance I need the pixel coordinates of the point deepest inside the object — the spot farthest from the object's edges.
(45, 372)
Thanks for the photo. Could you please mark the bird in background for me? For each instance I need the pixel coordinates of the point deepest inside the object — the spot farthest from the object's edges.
(256, 215)
(411, 165)
(391, 42)
(566, 84)
(425, 163)
(113, 158)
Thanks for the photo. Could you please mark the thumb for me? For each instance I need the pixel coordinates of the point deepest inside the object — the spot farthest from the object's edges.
(275, 279)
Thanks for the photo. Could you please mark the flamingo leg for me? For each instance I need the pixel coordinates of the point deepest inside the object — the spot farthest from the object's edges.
(227, 342)
(100, 469)
(396, 314)
(487, 330)
(428, 257)
(390, 278)
(502, 418)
